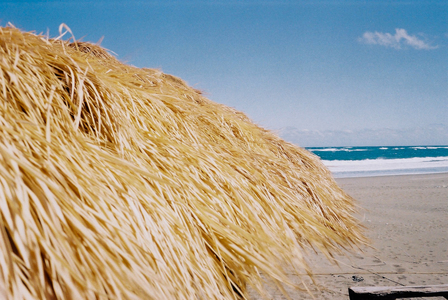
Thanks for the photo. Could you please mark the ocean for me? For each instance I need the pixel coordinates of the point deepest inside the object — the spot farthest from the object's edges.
(381, 161)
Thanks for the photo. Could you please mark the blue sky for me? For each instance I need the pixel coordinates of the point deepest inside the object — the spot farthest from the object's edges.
(321, 73)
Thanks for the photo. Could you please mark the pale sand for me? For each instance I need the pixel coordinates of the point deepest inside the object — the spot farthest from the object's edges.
(407, 220)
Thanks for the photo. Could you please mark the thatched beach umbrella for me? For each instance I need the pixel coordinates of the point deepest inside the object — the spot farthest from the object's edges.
(119, 182)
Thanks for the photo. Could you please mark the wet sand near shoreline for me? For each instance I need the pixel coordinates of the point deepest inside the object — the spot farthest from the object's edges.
(407, 221)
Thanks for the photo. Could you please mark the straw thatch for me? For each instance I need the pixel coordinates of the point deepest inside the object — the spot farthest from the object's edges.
(119, 182)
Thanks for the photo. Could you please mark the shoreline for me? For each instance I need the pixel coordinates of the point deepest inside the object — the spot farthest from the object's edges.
(342, 179)
(388, 173)
(406, 220)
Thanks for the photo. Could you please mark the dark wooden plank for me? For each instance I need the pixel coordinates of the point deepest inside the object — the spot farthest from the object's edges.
(394, 292)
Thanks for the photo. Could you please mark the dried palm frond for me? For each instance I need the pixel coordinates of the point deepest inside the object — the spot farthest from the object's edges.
(119, 182)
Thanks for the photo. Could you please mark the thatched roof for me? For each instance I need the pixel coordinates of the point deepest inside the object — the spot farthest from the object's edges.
(120, 182)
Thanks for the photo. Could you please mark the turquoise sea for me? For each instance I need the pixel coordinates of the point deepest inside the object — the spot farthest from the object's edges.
(380, 161)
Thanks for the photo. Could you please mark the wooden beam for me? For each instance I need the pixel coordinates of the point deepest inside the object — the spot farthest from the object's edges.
(394, 292)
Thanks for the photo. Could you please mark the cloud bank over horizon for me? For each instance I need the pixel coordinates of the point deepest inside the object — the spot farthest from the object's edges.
(436, 134)
(399, 40)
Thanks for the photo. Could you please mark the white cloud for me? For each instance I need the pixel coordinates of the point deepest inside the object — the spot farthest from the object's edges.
(436, 134)
(397, 41)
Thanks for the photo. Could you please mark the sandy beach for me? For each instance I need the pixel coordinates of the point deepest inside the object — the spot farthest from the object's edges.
(407, 221)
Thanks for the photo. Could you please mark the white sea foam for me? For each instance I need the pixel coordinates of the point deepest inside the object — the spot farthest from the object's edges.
(429, 147)
(380, 167)
(348, 149)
